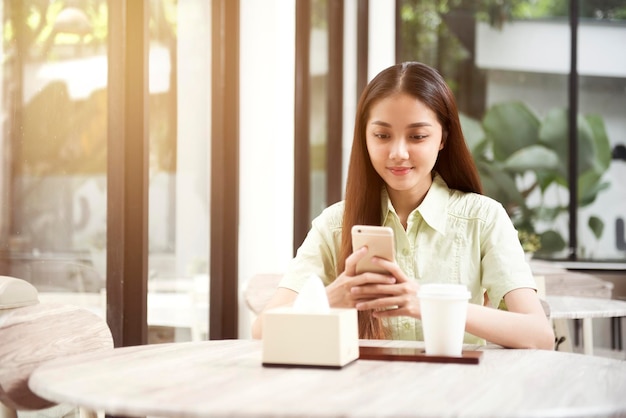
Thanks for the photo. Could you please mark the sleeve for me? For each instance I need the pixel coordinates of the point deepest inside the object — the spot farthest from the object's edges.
(318, 253)
(504, 266)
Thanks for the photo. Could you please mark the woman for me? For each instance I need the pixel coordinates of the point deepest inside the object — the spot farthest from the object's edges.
(411, 170)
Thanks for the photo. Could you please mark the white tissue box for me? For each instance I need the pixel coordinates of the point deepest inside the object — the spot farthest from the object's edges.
(310, 339)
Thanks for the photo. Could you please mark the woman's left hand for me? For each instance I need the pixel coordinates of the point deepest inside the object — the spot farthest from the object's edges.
(400, 298)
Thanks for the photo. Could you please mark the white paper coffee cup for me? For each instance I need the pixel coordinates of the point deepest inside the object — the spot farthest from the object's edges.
(444, 310)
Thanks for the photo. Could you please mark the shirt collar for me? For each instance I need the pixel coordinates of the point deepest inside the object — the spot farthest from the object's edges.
(434, 206)
(432, 209)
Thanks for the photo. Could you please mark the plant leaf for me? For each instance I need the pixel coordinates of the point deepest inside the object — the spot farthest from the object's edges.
(510, 126)
(601, 142)
(500, 185)
(589, 185)
(473, 132)
(586, 147)
(546, 178)
(551, 242)
(549, 214)
(596, 225)
(534, 157)
(553, 134)
(593, 147)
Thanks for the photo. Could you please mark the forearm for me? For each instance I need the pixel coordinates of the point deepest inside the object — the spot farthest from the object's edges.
(510, 329)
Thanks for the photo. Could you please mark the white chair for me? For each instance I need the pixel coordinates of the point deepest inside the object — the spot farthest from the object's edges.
(32, 333)
(259, 290)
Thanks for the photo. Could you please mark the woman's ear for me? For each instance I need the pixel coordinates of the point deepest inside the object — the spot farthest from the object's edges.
(444, 137)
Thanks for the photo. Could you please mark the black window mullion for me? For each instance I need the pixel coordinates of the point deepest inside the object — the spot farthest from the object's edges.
(573, 131)
(224, 240)
(362, 46)
(127, 172)
(302, 154)
(335, 101)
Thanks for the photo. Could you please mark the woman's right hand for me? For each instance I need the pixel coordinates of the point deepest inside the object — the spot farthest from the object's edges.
(340, 293)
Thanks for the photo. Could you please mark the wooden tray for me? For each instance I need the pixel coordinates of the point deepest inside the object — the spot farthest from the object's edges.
(415, 354)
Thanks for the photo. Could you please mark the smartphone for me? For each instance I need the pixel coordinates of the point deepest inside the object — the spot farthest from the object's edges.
(379, 241)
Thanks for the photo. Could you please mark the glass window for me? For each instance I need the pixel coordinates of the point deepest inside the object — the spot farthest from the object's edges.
(180, 77)
(54, 148)
(602, 100)
(509, 66)
(319, 105)
(53, 178)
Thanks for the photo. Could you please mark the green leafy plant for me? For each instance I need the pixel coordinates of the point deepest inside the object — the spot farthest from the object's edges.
(519, 154)
(531, 242)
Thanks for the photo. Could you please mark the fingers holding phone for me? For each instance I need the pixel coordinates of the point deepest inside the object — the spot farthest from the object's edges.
(379, 241)
(401, 291)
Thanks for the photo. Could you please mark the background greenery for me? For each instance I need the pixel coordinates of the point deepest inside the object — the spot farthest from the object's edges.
(521, 156)
(518, 154)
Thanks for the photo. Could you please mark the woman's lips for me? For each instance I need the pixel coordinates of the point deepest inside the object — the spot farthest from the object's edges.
(400, 171)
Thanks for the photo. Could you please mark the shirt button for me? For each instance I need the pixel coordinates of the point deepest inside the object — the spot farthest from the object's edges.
(405, 252)
(407, 325)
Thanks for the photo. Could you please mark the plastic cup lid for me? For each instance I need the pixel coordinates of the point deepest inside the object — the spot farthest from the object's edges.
(443, 290)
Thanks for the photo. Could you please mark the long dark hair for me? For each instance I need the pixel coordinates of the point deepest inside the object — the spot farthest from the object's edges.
(454, 163)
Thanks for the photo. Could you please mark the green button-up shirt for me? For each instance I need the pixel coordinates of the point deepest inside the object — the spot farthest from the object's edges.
(451, 237)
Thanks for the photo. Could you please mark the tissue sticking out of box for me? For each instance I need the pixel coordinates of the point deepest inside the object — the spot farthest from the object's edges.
(310, 333)
(312, 297)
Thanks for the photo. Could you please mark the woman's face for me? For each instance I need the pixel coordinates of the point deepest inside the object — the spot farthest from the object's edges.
(403, 139)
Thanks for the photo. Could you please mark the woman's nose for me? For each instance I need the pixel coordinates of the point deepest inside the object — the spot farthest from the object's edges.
(399, 150)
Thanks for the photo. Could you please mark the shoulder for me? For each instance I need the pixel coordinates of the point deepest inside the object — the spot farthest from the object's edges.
(474, 206)
(331, 217)
(443, 204)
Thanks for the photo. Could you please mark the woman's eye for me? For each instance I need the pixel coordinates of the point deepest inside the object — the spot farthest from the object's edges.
(381, 135)
(418, 137)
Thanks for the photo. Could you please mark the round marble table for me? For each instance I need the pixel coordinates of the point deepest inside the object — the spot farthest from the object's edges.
(226, 378)
(573, 307)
